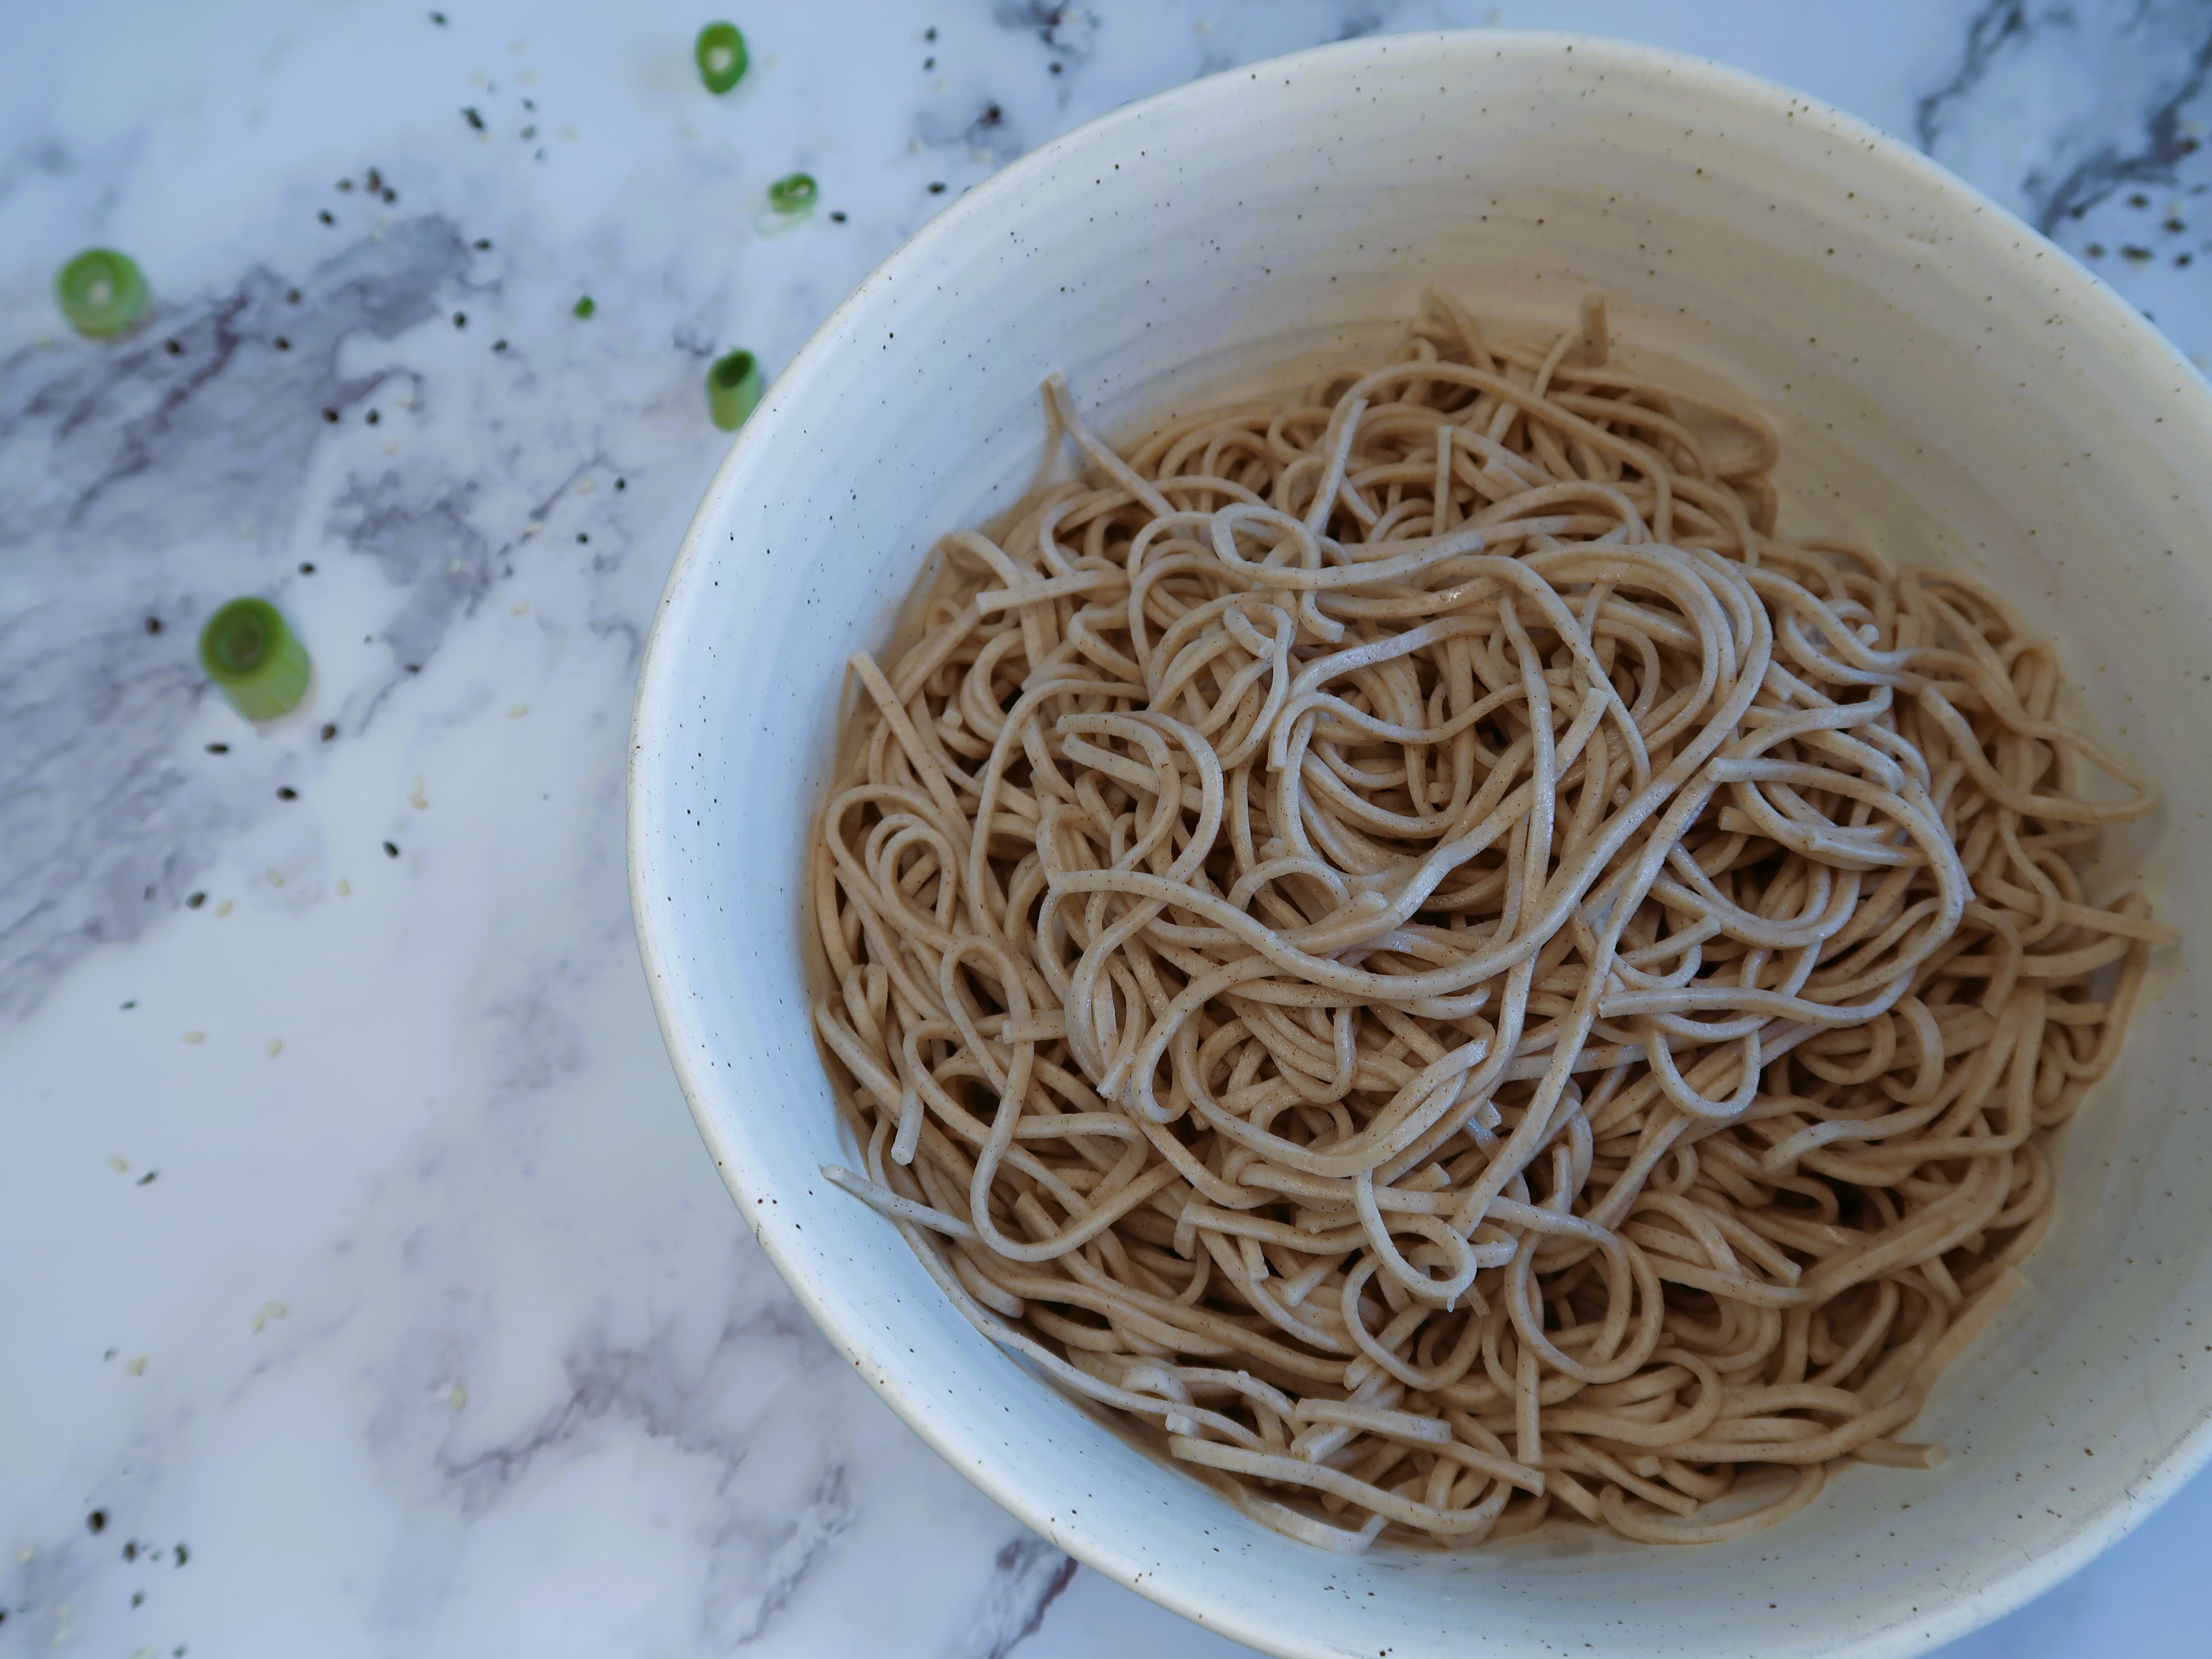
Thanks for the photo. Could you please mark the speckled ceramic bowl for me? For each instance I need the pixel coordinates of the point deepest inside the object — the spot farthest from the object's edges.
(1948, 383)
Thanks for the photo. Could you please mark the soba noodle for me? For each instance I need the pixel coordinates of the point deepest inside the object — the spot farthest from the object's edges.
(1406, 937)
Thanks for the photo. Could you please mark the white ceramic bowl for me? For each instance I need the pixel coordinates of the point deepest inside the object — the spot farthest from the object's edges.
(1948, 383)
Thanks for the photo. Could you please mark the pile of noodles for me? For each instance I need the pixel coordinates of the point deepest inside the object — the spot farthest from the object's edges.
(1408, 940)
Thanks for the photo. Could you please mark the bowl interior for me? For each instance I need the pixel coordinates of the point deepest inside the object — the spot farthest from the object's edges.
(1950, 388)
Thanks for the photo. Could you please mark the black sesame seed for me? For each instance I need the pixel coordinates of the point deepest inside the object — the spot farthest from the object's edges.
(836, 217)
(345, 183)
(460, 320)
(174, 348)
(375, 181)
(147, 1180)
(287, 793)
(96, 1522)
(2137, 254)
(414, 667)
(499, 345)
(218, 749)
(331, 416)
(2176, 225)
(130, 1550)
(390, 194)
(474, 119)
(183, 1555)
(937, 190)
(192, 903)
(929, 34)
(438, 18)
(2095, 250)
(389, 851)
(621, 483)
(484, 244)
(1055, 69)
(581, 537)
(291, 296)
(929, 63)
(324, 214)
(307, 569)
(530, 132)
(2138, 200)
(137, 1598)
(329, 731)
(282, 343)
(2182, 259)
(374, 416)
(153, 624)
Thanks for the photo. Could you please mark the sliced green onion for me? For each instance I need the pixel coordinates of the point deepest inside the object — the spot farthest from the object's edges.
(733, 389)
(585, 307)
(721, 55)
(260, 663)
(792, 194)
(101, 292)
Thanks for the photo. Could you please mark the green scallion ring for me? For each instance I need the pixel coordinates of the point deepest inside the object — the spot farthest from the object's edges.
(586, 305)
(721, 55)
(257, 660)
(793, 193)
(733, 389)
(101, 292)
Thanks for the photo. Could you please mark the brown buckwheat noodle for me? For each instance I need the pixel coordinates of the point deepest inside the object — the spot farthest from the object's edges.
(1407, 939)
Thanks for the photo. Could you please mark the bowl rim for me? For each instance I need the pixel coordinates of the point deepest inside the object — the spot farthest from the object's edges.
(2128, 336)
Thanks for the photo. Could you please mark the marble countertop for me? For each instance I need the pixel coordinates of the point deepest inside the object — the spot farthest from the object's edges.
(372, 1293)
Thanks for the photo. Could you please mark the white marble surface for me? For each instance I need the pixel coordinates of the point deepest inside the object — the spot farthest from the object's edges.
(369, 1292)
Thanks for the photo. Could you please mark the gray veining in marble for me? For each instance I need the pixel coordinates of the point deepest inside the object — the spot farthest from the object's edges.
(2116, 88)
(153, 467)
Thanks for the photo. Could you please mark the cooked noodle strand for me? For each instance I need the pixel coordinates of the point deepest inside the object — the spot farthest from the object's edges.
(1408, 939)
